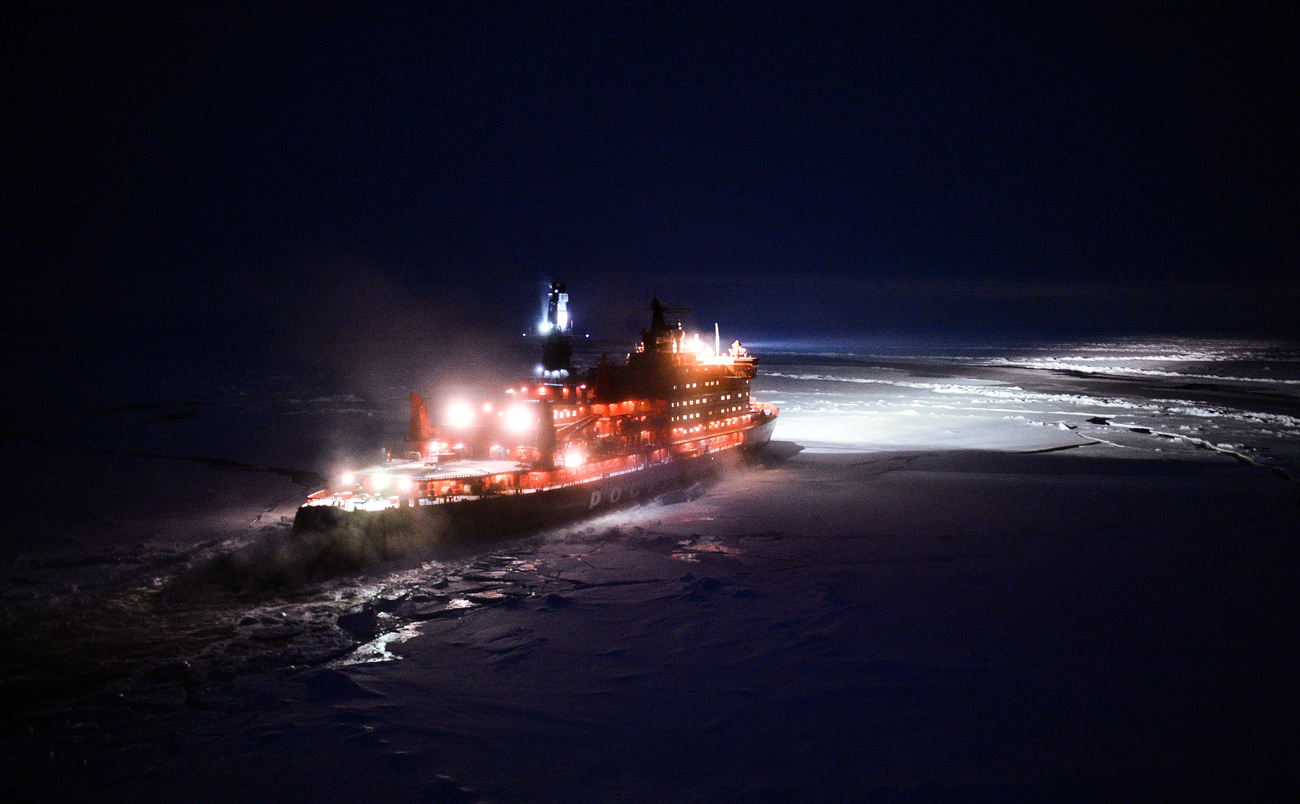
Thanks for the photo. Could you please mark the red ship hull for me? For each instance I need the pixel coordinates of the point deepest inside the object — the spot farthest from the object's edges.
(487, 516)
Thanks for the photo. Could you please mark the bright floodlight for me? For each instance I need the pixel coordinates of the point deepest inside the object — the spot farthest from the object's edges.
(460, 414)
(380, 480)
(347, 479)
(573, 458)
(403, 483)
(518, 419)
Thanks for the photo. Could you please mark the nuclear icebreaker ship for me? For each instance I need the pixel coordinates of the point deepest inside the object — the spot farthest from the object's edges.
(562, 444)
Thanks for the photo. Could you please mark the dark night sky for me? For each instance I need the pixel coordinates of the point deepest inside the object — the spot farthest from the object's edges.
(921, 169)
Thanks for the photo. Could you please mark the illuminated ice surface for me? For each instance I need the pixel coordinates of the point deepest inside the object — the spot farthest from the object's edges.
(1046, 573)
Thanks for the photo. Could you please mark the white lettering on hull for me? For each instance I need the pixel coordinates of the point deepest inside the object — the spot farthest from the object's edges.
(612, 495)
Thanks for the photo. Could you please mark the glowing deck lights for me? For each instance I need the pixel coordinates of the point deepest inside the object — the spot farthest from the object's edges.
(518, 419)
(460, 414)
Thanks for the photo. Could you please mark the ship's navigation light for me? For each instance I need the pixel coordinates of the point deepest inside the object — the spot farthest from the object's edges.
(573, 458)
(460, 414)
(519, 419)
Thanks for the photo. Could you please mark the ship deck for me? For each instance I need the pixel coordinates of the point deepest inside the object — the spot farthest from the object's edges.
(450, 470)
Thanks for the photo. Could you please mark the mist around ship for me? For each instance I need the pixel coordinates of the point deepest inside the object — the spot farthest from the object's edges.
(1017, 571)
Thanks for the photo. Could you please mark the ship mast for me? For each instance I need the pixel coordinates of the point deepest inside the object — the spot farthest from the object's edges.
(557, 352)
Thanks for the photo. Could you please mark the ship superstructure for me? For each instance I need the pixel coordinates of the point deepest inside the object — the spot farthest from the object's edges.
(564, 441)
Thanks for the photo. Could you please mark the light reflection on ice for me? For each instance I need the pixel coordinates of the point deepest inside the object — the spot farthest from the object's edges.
(988, 398)
(1206, 360)
(1107, 366)
(377, 649)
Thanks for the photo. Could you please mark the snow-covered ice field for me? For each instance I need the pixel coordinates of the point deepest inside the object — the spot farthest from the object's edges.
(1063, 572)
